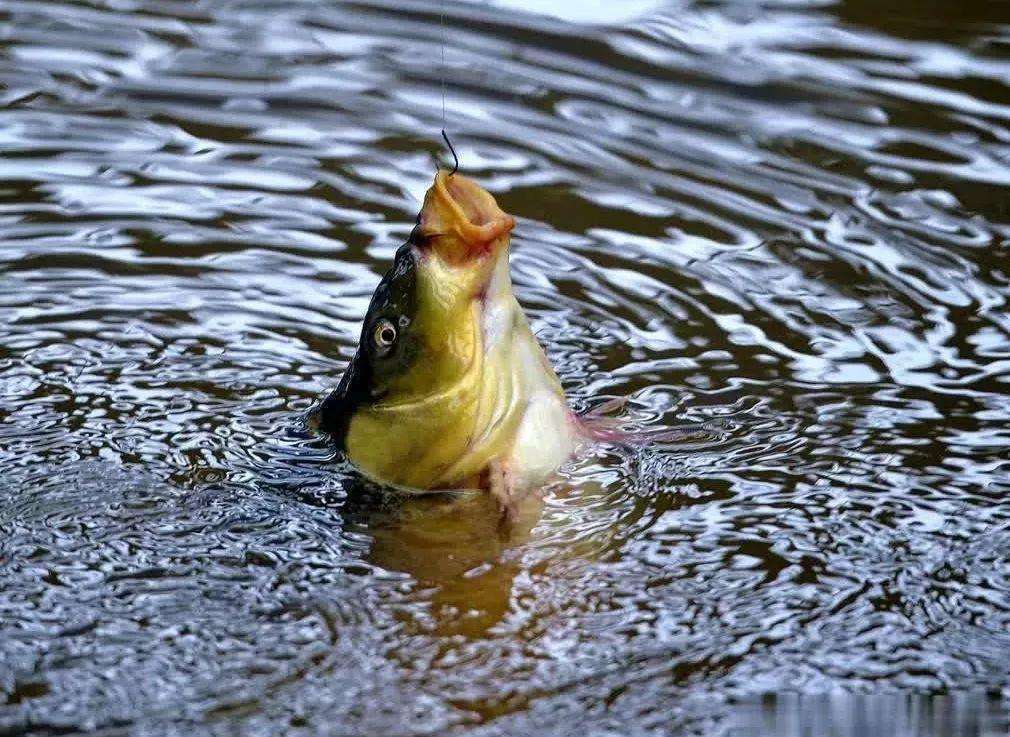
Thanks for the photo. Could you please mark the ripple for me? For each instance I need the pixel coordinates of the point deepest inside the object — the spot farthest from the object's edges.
(779, 229)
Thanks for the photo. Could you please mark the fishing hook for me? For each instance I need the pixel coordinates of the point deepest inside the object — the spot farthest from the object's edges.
(455, 158)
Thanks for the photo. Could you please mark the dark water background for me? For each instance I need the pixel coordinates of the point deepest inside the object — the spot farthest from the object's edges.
(785, 223)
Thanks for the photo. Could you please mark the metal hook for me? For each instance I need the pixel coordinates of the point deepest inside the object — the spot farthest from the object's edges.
(454, 156)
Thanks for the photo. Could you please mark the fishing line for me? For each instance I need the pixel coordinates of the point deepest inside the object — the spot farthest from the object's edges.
(455, 158)
(441, 18)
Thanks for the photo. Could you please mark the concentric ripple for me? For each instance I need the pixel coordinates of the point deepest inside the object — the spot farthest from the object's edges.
(781, 228)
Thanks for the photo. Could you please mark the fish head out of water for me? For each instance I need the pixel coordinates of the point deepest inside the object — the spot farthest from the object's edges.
(449, 388)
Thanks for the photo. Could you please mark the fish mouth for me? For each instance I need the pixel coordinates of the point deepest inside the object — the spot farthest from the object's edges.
(461, 221)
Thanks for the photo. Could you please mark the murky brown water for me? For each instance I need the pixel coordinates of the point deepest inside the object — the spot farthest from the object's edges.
(785, 223)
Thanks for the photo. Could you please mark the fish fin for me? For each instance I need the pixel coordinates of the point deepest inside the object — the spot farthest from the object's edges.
(502, 487)
(598, 425)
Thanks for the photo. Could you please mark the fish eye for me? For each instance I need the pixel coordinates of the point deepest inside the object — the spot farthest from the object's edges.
(384, 336)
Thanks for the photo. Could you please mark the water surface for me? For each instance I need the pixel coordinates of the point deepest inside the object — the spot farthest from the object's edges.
(783, 225)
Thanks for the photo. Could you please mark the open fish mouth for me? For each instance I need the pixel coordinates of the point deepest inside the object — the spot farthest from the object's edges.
(461, 222)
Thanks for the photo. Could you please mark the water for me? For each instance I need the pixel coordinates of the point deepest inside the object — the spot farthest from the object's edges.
(783, 224)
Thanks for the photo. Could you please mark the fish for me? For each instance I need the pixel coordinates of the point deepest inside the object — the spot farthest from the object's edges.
(449, 388)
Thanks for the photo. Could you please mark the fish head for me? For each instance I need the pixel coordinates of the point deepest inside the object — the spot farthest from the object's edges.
(409, 408)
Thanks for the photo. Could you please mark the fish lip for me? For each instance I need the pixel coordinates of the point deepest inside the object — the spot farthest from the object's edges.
(461, 220)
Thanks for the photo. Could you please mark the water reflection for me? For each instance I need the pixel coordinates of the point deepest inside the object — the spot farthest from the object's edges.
(454, 545)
